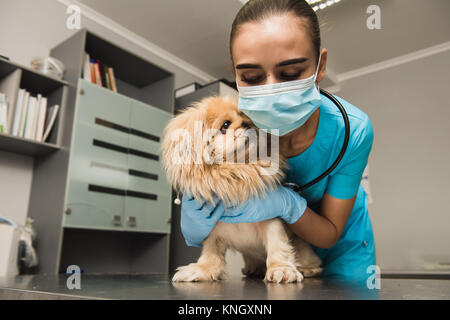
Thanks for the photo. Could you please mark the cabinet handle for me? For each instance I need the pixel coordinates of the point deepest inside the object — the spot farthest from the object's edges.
(81, 91)
(116, 220)
(132, 221)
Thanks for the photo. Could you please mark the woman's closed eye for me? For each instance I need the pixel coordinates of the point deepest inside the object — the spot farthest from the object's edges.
(290, 75)
(282, 76)
(253, 79)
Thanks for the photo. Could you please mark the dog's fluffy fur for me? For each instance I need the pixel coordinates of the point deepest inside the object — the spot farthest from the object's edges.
(269, 248)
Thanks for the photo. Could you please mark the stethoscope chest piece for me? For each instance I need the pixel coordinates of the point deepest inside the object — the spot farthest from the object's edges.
(177, 200)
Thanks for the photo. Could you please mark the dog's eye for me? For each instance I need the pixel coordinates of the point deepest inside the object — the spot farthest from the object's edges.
(225, 126)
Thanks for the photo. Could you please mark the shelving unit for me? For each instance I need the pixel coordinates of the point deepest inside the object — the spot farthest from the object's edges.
(26, 147)
(66, 233)
(13, 77)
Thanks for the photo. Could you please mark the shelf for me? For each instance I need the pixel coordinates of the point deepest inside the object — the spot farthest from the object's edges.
(127, 66)
(26, 147)
(31, 79)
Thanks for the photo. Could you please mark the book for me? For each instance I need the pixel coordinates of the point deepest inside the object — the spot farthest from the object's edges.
(92, 68)
(99, 73)
(102, 75)
(23, 120)
(35, 116)
(30, 117)
(18, 112)
(98, 77)
(87, 67)
(50, 120)
(41, 119)
(112, 79)
(3, 113)
(106, 77)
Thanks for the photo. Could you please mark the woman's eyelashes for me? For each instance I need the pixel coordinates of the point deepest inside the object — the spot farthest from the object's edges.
(290, 76)
(252, 80)
(282, 76)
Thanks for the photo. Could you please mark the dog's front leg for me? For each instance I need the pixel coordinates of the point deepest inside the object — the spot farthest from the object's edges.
(211, 264)
(280, 253)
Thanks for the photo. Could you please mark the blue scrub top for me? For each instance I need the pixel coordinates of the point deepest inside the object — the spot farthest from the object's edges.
(355, 250)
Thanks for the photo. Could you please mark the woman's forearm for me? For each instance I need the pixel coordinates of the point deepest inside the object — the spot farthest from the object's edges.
(316, 229)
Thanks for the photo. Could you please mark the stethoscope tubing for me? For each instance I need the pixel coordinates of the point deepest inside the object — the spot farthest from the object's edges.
(297, 188)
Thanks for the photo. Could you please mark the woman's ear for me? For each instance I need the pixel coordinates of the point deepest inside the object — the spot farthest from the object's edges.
(323, 66)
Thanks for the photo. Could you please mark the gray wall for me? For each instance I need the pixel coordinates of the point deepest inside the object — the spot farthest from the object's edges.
(29, 29)
(409, 166)
(15, 185)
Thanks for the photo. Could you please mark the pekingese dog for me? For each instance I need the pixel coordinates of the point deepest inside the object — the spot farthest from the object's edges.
(212, 148)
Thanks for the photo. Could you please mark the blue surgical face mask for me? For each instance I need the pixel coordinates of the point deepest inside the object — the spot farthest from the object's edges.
(285, 106)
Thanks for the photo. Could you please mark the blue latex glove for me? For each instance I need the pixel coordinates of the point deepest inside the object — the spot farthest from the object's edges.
(198, 219)
(282, 202)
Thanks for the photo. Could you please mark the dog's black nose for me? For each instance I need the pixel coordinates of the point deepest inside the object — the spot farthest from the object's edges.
(246, 125)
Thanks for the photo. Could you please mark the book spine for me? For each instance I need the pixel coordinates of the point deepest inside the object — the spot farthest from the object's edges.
(92, 68)
(112, 79)
(105, 75)
(18, 113)
(98, 77)
(36, 116)
(23, 121)
(3, 113)
(29, 120)
(100, 70)
(41, 120)
(50, 120)
(87, 68)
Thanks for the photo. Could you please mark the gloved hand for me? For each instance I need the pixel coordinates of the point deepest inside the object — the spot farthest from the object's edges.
(198, 219)
(282, 202)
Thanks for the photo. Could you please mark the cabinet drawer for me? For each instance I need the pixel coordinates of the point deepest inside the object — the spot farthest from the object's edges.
(97, 102)
(92, 209)
(148, 215)
(148, 119)
(99, 145)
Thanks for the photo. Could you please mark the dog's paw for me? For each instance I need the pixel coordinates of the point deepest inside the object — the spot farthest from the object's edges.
(284, 274)
(197, 272)
(311, 272)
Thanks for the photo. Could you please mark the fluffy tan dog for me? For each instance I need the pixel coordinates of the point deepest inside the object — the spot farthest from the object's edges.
(196, 162)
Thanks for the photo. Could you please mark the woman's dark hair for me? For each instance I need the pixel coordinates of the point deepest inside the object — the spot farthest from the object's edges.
(258, 10)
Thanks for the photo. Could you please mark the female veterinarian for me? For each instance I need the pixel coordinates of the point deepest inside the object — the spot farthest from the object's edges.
(278, 61)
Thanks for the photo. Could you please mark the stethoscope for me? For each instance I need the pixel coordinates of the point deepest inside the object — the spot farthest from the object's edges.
(295, 186)
(298, 188)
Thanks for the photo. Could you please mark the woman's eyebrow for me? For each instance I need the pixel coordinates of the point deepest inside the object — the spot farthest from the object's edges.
(248, 66)
(291, 61)
(281, 64)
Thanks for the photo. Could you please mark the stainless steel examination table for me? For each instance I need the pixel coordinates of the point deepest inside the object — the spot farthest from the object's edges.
(155, 287)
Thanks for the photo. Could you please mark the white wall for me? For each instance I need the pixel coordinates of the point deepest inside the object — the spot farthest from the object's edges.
(409, 166)
(29, 29)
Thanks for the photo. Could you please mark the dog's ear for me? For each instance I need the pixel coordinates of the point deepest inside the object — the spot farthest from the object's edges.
(178, 145)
